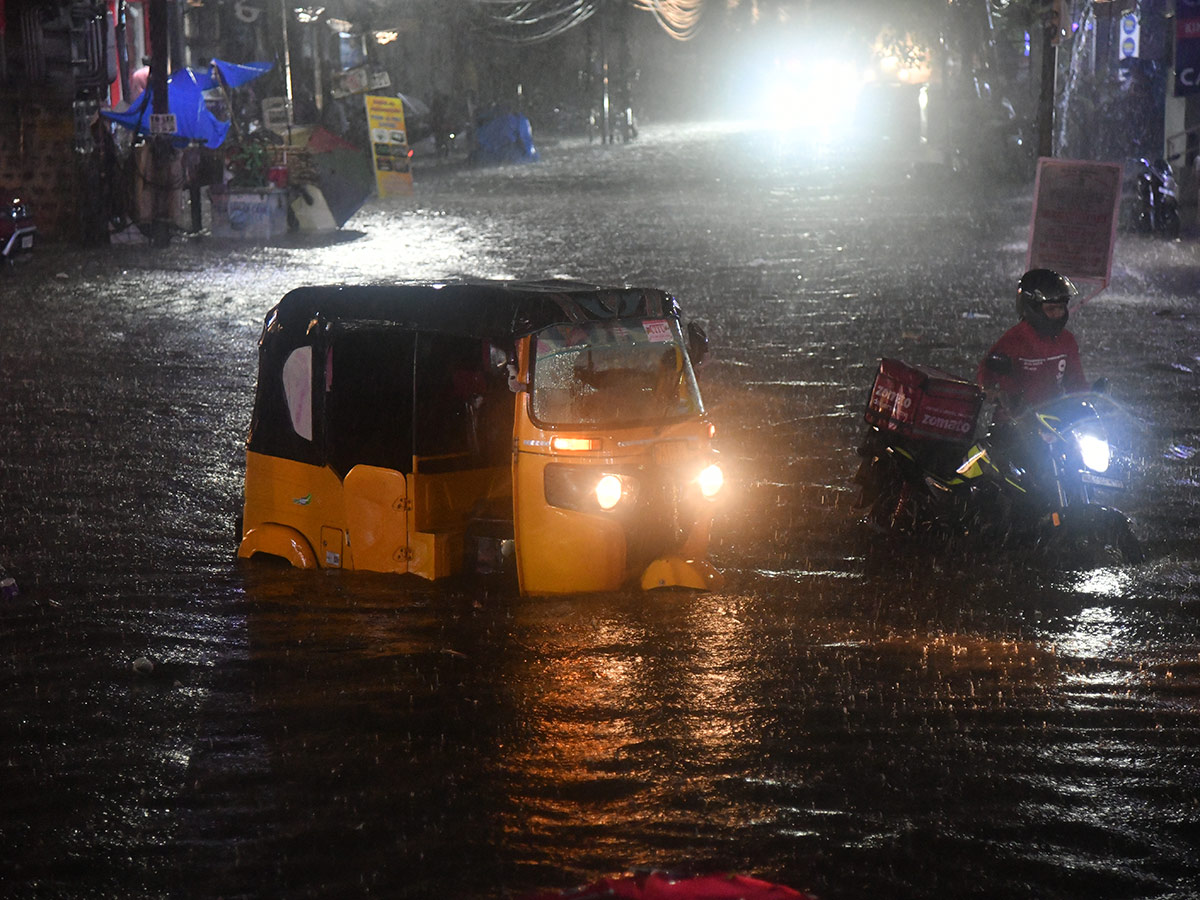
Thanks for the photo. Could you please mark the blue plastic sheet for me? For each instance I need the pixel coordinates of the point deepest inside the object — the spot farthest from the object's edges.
(505, 138)
(185, 98)
(237, 74)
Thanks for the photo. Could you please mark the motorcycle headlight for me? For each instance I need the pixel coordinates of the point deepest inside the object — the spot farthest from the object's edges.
(710, 480)
(1094, 451)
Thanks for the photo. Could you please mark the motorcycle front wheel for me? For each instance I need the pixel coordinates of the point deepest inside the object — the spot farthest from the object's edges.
(1103, 536)
(1170, 223)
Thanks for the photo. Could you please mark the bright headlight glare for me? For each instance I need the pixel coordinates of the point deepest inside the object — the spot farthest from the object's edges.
(710, 481)
(609, 490)
(1094, 451)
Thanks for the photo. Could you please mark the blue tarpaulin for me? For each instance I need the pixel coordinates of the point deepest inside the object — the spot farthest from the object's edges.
(505, 137)
(237, 74)
(185, 99)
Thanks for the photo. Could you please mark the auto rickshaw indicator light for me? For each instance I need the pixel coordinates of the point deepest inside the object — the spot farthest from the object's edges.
(574, 444)
(710, 480)
(609, 490)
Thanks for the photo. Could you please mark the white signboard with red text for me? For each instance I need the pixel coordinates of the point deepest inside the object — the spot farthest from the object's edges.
(1074, 227)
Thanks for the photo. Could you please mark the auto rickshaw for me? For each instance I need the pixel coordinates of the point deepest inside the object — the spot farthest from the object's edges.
(553, 429)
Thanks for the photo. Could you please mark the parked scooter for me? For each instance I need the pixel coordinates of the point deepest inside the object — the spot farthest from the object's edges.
(17, 229)
(1155, 202)
(1039, 481)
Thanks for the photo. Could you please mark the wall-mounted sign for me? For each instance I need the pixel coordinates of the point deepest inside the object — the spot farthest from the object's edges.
(352, 81)
(1187, 50)
(1130, 37)
(275, 114)
(163, 123)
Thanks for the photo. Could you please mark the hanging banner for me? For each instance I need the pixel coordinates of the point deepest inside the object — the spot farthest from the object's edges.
(1074, 225)
(1187, 50)
(389, 146)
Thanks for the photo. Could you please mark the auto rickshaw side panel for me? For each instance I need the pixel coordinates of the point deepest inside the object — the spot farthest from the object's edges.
(377, 519)
(296, 496)
(443, 503)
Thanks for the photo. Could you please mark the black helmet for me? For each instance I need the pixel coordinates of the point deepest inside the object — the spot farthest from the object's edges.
(1038, 286)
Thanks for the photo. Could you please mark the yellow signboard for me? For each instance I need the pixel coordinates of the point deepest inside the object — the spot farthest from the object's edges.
(389, 146)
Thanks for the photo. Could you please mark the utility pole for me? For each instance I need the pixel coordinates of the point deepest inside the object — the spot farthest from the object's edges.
(605, 95)
(160, 144)
(1051, 30)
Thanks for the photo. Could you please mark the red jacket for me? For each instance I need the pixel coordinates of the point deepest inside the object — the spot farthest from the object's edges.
(1043, 367)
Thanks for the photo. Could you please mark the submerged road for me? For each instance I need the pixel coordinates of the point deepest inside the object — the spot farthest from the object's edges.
(857, 722)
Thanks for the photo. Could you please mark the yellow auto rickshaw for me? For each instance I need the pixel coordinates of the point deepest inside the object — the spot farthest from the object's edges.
(550, 429)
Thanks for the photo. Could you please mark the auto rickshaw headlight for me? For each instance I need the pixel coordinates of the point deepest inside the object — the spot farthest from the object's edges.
(710, 481)
(609, 490)
(589, 488)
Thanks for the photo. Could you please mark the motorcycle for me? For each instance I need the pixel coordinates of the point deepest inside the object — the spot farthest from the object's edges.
(17, 229)
(1039, 481)
(1155, 199)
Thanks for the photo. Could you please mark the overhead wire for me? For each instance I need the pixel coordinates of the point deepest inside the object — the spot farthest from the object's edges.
(679, 18)
(531, 21)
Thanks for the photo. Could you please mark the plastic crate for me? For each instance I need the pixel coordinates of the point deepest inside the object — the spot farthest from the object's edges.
(922, 402)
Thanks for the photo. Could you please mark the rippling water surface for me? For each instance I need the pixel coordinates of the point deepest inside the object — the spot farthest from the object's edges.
(856, 720)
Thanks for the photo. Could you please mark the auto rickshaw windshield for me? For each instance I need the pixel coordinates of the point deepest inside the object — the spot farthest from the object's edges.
(618, 372)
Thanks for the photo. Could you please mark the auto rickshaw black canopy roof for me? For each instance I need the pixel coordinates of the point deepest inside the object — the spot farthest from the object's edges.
(496, 310)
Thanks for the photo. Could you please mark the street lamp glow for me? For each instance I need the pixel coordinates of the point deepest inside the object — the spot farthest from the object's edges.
(818, 97)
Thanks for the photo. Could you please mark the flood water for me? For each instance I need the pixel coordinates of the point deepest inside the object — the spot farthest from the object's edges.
(855, 720)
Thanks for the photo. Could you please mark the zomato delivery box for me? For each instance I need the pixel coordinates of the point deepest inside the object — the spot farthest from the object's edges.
(923, 402)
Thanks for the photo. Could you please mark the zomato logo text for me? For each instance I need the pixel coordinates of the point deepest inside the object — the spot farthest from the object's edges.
(944, 423)
(884, 397)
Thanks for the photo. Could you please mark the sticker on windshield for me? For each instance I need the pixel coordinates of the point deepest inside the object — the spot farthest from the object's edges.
(657, 330)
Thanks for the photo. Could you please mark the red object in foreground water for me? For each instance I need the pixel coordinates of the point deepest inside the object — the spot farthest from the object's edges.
(661, 886)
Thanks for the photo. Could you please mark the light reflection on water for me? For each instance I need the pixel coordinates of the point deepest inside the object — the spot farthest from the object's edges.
(413, 245)
(1108, 582)
(798, 574)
